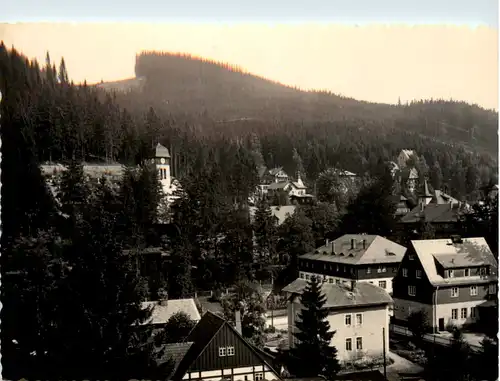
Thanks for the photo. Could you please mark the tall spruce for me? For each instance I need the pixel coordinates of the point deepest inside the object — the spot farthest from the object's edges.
(313, 353)
(265, 230)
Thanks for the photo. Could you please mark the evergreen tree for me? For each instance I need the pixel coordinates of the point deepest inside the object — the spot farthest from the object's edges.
(265, 231)
(372, 211)
(313, 351)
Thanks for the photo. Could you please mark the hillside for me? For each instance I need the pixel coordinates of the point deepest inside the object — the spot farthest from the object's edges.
(202, 89)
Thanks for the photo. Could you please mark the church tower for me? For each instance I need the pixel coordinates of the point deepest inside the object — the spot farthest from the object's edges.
(162, 162)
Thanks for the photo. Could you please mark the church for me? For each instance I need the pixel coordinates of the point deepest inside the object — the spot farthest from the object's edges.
(114, 172)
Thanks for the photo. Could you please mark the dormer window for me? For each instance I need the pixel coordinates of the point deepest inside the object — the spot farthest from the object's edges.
(482, 271)
(450, 274)
(411, 257)
(467, 272)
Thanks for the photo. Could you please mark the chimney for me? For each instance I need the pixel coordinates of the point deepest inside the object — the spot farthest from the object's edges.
(353, 243)
(333, 247)
(162, 297)
(353, 285)
(237, 315)
(364, 244)
(327, 242)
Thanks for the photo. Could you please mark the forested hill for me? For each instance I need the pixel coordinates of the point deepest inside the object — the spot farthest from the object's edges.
(203, 90)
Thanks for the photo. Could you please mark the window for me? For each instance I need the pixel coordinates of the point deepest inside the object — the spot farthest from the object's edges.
(418, 274)
(463, 313)
(359, 343)
(337, 281)
(307, 276)
(330, 280)
(230, 351)
(405, 272)
(222, 351)
(338, 268)
(454, 313)
(473, 312)
(384, 269)
(473, 290)
(482, 271)
(450, 273)
(259, 376)
(382, 284)
(347, 319)
(454, 292)
(359, 319)
(492, 289)
(412, 290)
(348, 344)
(368, 270)
(467, 272)
(411, 257)
(302, 275)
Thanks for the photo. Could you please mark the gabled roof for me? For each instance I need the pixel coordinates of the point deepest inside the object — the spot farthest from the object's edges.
(176, 352)
(471, 252)
(280, 185)
(407, 153)
(442, 198)
(341, 296)
(377, 250)
(162, 313)
(435, 213)
(275, 171)
(161, 151)
(201, 335)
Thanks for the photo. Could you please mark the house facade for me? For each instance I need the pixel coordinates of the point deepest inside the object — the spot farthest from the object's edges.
(217, 352)
(446, 278)
(360, 257)
(358, 312)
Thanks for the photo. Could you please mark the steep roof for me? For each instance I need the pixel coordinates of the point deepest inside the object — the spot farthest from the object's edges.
(435, 213)
(407, 153)
(442, 198)
(341, 296)
(176, 352)
(201, 335)
(161, 151)
(162, 313)
(275, 171)
(280, 185)
(471, 252)
(376, 250)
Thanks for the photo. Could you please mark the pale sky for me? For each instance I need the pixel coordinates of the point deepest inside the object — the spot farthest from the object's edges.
(373, 63)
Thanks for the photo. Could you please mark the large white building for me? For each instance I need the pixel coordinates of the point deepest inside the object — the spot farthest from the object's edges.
(358, 312)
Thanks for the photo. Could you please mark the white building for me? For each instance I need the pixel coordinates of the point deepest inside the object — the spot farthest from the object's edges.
(359, 313)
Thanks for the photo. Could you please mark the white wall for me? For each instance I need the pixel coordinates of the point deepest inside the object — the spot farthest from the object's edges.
(243, 374)
(333, 279)
(374, 319)
(403, 308)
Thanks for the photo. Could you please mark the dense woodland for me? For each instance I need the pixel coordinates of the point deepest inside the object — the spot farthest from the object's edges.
(63, 258)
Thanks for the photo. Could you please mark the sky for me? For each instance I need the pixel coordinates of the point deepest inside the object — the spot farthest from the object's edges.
(371, 50)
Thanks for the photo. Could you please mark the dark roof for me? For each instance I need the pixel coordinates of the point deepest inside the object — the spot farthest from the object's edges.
(434, 213)
(201, 335)
(275, 171)
(280, 185)
(341, 296)
(176, 352)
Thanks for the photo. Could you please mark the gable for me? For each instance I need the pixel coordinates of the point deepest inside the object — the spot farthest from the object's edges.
(209, 358)
(411, 265)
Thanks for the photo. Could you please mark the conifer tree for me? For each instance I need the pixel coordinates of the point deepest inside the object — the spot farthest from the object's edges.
(265, 231)
(313, 351)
